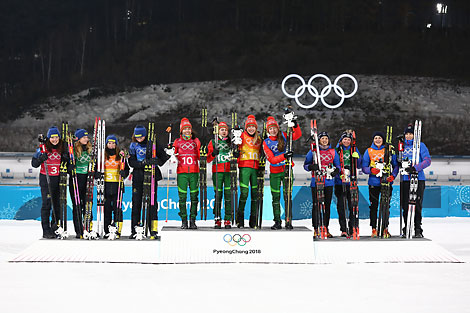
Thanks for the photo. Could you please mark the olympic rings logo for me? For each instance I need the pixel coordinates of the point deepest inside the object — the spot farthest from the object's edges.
(188, 146)
(237, 239)
(319, 95)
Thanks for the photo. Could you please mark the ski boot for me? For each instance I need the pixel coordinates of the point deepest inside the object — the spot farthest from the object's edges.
(386, 234)
(374, 233)
(344, 234)
(277, 225)
(227, 224)
(289, 226)
(418, 233)
(328, 234)
(48, 234)
(154, 230)
(184, 224)
(192, 224)
(218, 224)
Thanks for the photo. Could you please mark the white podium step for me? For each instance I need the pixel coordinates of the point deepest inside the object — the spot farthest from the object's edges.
(206, 245)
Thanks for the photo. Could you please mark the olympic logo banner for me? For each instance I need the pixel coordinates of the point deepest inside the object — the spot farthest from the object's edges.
(237, 239)
(319, 95)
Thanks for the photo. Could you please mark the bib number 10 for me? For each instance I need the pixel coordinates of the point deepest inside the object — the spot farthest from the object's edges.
(188, 160)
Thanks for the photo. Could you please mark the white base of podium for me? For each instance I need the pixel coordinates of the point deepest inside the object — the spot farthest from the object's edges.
(207, 245)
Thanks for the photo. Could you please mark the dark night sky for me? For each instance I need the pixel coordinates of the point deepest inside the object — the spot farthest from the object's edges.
(54, 47)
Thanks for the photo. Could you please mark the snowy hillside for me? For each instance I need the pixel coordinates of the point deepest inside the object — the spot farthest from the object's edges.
(442, 104)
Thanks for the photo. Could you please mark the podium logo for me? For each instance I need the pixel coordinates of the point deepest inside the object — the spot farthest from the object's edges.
(237, 239)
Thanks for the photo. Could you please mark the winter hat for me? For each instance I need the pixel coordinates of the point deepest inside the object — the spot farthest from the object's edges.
(53, 132)
(222, 125)
(251, 120)
(140, 131)
(322, 134)
(271, 122)
(79, 133)
(111, 138)
(409, 129)
(184, 124)
(346, 135)
(379, 133)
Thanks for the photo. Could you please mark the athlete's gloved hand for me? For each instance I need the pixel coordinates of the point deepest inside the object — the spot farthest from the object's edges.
(152, 161)
(236, 153)
(288, 154)
(42, 157)
(390, 178)
(313, 167)
(411, 170)
(215, 152)
(374, 171)
(97, 175)
(123, 173)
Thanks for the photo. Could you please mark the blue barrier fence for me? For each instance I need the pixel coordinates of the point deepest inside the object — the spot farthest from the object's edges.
(22, 203)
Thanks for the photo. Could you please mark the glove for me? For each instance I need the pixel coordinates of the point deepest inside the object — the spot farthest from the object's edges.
(390, 178)
(335, 172)
(65, 157)
(215, 152)
(411, 170)
(97, 175)
(123, 173)
(374, 171)
(236, 154)
(313, 167)
(42, 157)
(169, 146)
(347, 167)
(288, 155)
(295, 123)
(70, 168)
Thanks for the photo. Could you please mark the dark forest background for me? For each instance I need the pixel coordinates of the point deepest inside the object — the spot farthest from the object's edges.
(55, 47)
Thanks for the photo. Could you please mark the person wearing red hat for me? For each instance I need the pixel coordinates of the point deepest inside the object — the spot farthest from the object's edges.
(221, 153)
(187, 152)
(248, 163)
(275, 150)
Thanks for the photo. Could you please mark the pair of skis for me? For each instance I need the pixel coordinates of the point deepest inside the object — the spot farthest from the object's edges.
(385, 168)
(148, 196)
(350, 176)
(319, 207)
(260, 180)
(88, 232)
(203, 166)
(235, 143)
(115, 229)
(413, 180)
(289, 118)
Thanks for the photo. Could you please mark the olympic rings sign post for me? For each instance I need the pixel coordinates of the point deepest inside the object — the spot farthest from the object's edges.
(312, 90)
(237, 239)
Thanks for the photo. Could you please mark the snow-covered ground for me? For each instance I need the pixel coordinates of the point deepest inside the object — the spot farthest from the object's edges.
(378, 287)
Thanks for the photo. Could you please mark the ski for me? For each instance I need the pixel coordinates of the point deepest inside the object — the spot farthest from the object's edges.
(88, 233)
(203, 166)
(100, 177)
(320, 184)
(289, 118)
(76, 193)
(353, 189)
(169, 148)
(345, 179)
(235, 143)
(413, 180)
(385, 168)
(217, 213)
(260, 180)
(63, 189)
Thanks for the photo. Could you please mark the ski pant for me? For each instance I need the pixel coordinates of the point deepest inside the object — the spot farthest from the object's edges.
(374, 195)
(275, 181)
(110, 205)
(47, 224)
(184, 180)
(326, 215)
(340, 207)
(248, 176)
(78, 213)
(405, 199)
(223, 185)
(137, 195)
